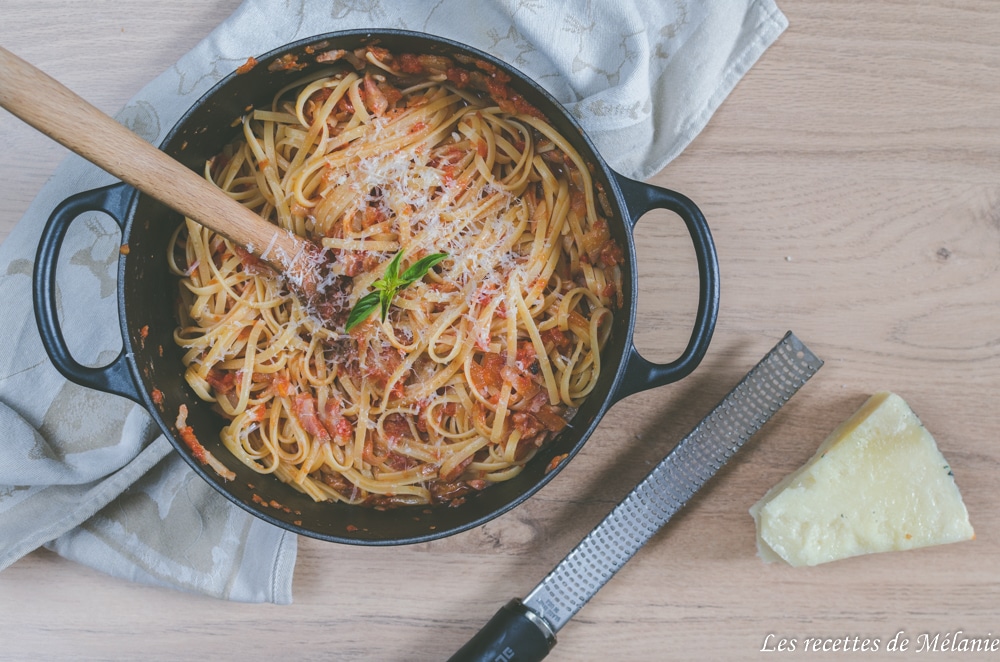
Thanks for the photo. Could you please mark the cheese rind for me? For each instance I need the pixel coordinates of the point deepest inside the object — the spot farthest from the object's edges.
(877, 483)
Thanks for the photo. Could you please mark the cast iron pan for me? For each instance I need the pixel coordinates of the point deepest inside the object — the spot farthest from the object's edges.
(150, 361)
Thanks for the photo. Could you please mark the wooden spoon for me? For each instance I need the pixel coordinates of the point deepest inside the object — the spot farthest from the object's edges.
(59, 113)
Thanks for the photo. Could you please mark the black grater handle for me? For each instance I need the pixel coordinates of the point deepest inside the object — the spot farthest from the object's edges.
(514, 634)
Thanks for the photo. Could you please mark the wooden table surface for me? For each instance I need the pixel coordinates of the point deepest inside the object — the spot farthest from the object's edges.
(852, 182)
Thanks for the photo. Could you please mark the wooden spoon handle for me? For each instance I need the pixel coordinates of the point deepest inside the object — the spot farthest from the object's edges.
(56, 111)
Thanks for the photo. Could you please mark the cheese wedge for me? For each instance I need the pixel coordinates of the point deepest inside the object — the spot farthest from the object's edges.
(878, 483)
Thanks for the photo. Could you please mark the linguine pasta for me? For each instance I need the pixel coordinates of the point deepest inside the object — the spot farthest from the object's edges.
(478, 362)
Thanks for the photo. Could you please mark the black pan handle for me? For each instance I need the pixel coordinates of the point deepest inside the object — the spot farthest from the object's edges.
(514, 634)
(115, 376)
(641, 374)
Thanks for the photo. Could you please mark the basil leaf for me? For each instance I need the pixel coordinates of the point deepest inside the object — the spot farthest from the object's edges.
(362, 309)
(392, 271)
(385, 288)
(385, 298)
(420, 268)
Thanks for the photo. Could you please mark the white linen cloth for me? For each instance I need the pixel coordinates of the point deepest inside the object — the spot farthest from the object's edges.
(88, 474)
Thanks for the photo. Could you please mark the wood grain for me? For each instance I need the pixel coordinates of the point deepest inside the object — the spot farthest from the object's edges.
(851, 182)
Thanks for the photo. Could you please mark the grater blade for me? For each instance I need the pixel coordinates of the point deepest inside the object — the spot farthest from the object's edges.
(672, 482)
(525, 630)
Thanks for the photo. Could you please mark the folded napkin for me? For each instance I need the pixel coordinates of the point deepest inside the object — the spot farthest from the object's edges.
(89, 475)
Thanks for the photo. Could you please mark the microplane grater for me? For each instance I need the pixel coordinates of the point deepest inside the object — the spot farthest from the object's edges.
(524, 631)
